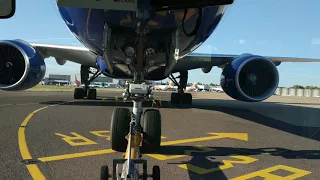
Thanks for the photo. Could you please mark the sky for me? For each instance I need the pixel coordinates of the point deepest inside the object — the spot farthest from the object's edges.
(286, 28)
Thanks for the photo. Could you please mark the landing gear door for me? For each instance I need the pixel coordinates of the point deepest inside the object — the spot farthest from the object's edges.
(7, 8)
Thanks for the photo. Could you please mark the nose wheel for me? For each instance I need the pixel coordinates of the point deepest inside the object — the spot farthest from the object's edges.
(119, 128)
(151, 130)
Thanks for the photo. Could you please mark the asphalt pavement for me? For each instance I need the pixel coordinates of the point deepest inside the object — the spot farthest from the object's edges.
(50, 135)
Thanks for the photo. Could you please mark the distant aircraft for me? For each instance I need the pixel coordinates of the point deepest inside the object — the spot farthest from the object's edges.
(191, 88)
(217, 89)
(141, 42)
(169, 87)
(78, 83)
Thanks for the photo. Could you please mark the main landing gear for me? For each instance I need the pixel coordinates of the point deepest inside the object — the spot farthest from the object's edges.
(181, 97)
(86, 91)
(131, 135)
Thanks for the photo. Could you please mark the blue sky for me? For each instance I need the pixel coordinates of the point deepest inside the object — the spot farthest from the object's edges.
(269, 27)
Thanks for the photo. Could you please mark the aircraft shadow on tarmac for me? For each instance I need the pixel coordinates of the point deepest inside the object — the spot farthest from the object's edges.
(213, 159)
(303, 131)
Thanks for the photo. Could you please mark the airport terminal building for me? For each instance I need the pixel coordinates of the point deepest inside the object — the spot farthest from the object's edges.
(57, 80)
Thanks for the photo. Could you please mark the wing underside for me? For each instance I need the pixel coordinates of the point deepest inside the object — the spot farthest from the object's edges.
(200, 60)
(192, 61)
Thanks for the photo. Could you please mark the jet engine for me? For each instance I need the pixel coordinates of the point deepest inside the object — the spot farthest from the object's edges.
(21, 66)
(250, 78)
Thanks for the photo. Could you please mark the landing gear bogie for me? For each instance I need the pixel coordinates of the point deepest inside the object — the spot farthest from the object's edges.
(81, 93)
(91, 94)
(78, 93)
(184, 98)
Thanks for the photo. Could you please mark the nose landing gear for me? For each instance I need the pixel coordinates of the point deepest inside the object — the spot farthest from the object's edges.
(128, 136)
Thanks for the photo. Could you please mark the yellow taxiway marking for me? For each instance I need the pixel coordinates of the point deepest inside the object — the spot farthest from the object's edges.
(24, 151)
(76, 155)
(240, 136)
(267, 173)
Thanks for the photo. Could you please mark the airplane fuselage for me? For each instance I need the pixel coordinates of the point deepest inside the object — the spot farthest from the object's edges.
(107, 33)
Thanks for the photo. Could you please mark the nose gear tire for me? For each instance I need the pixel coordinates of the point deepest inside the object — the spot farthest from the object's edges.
(119, 128)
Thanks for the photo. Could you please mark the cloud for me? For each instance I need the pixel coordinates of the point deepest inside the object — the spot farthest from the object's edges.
(240, 41)
(315, 41)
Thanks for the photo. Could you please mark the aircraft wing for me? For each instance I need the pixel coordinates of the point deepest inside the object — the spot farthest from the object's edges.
(83, 56)
(202, 60)
(79, 55)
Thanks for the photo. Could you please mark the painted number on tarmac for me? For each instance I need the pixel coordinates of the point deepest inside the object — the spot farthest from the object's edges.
(101, 134)
(268, 173)
(76, 139)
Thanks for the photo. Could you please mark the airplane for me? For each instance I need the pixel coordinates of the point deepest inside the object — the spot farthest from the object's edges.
(141, 40)
(217, 89)
(169, 87)
(161, 87)
(78, 83)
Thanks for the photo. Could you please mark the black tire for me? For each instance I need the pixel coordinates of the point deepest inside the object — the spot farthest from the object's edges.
(104, 173)
(78, 93)
(156, 173)
(175, 98)
(151, 130)
(186, 98)
(120, 125)
(91, 94)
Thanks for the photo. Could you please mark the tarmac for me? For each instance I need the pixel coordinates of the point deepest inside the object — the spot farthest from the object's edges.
(49, 135)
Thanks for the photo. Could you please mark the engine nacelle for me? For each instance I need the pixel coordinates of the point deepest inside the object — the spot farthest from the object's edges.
(250, 78)
(21, 66)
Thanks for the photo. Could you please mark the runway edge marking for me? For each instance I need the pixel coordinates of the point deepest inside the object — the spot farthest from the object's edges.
(23, 147)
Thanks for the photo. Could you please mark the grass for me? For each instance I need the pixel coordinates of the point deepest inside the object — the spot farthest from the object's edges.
(65, 88)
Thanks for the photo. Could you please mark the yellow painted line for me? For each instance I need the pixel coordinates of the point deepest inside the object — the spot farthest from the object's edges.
(239, 136)
(27, 119)
(23, 144)
(23, 147)
(76, 155)
(35, 172)
(295, 173)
